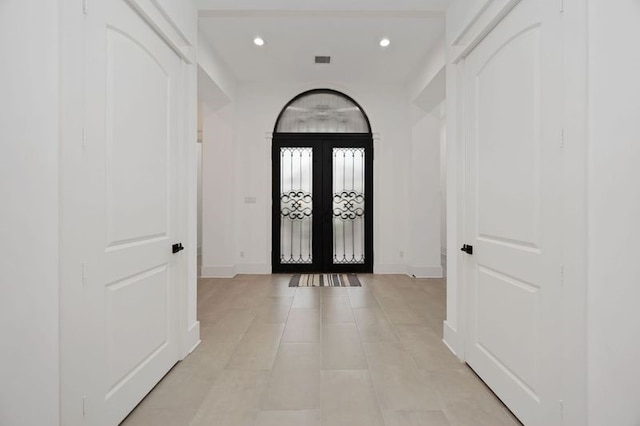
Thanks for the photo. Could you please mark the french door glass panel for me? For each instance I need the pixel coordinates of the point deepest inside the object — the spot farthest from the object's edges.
(348, 205)
(296, 205)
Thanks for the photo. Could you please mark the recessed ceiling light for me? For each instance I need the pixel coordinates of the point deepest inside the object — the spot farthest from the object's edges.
(258, 41)
(385, 42)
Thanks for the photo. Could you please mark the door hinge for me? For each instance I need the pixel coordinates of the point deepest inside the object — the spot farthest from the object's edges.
(83, 274)
(562, 275)
(85, 7)
(561, 6)
(84, 137)
(84, 405)
(562, 139)
(561, 411)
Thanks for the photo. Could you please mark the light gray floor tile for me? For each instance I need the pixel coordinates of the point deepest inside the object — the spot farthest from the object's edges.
(398, 311)
(303, 326)
(233, 399)
(275, 310)
(362, 298)
(257, 349)
(398, 383)
(289, 418)
(427, 348)
(374, 326)
(415, 418)
(295, 379)
(337, 309)
(275, 355)
(307, 298)
(341, 348)
(471, 412)
(348, 399)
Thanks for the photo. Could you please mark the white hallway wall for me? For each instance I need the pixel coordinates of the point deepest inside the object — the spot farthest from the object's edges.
(29, 361)
(614, 214)
(443, 184)
(427, 90)
(424, 233)
(218, 186)
(241, 227)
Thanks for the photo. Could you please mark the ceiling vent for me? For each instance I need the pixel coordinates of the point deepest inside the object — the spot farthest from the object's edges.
(323, 59)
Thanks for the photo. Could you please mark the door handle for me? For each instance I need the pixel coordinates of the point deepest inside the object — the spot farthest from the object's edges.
(467, 249)
(177, 248)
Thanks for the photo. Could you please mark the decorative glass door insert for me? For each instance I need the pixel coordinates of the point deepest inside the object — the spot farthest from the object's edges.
(322, 215)
(296, 205)
(348, 205)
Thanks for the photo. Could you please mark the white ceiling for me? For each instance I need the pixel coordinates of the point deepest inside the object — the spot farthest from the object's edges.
(347, 30)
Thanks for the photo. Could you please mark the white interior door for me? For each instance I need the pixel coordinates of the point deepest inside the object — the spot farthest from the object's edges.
(513, 107)
(130, 168)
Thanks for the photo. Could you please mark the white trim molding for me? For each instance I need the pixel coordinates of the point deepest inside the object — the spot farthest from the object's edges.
(443, 262)
(218, 271)
(268, 136)
(389, 269)
(485, 21)
(166, 28)
(193, 338)
(253, 268)
(425, 271)
(450, 339)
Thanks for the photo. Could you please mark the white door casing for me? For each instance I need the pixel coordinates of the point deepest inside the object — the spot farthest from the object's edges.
(513, 131)
(132, 107)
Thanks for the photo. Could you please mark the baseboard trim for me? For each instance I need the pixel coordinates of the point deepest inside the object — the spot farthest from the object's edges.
(425, 271)
(450, 339)
(193, 338)
(265, 269)
(253, 268)
(218, 271)
(390, 269)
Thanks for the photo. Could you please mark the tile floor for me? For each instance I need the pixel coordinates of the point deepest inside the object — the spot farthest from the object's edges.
(274, 355)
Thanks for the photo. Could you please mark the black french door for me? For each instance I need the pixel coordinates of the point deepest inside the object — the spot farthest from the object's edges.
(322, 203)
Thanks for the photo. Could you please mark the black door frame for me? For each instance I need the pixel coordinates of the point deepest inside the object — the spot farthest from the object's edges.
(322, 144)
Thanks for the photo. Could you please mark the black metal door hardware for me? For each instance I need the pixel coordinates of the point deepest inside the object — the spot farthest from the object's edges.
(176, 248)
(467, 249)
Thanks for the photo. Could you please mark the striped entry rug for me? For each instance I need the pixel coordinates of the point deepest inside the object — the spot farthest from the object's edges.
(325, 280)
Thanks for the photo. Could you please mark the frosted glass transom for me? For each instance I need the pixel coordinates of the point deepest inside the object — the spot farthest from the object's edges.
(323, 112)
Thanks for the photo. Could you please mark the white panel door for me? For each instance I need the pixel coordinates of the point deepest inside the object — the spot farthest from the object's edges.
(513, 107)
(132, 124)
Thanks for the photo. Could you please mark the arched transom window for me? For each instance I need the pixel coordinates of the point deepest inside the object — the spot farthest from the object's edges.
(322, 111)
